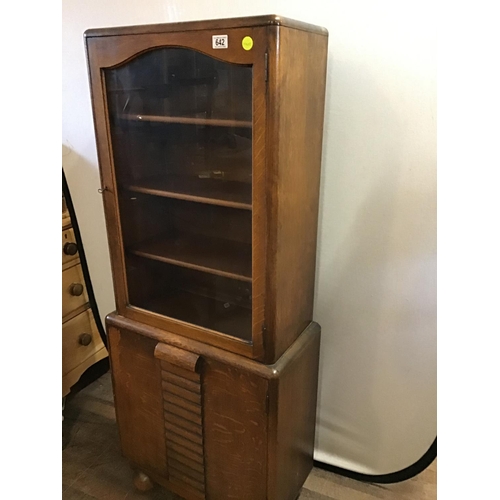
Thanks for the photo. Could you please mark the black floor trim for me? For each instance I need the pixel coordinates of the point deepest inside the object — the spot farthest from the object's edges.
(394, 477)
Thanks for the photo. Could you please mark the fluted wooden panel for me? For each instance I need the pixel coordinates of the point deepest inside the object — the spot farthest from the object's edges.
(182, 405)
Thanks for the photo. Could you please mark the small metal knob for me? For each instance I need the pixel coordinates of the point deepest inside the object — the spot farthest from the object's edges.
(76, 289)
(85, 339)
(70, 248)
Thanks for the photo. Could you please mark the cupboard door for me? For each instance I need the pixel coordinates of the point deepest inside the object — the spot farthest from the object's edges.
(236, 435)
(181, 133)
(139, 409)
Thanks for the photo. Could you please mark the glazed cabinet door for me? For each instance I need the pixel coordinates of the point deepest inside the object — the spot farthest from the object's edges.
(181, 130)
(180, 121)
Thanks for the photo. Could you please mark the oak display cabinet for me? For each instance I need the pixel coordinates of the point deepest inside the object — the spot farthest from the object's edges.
(209, 139)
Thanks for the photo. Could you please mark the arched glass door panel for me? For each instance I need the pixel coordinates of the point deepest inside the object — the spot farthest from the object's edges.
(181, 132)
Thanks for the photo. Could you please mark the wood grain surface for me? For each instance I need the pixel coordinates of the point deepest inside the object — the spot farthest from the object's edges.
(138, 399)
(287, 126)
(185, 453)
(295, 120)
(236, 439)
(93, 467)
(266, 20)
(74, 352)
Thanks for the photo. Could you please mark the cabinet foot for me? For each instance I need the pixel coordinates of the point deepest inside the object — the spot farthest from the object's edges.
(142, 482)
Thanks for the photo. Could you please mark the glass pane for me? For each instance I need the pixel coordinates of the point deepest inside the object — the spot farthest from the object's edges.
(181, 128)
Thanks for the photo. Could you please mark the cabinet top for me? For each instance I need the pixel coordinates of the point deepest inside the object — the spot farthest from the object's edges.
(235, 22)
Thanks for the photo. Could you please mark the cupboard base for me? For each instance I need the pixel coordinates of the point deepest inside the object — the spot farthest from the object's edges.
(209, 424)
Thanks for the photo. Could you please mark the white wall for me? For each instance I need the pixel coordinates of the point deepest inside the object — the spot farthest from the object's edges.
(376, 273)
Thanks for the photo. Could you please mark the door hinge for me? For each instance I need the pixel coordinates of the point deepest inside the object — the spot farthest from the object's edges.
(266, 65)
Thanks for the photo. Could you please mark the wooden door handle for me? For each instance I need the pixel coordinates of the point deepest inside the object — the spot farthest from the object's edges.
(179, 357)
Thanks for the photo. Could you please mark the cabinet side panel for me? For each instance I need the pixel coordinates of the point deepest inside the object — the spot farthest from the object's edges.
(299, 99)
(138, 399)
(235, 432)
(296, 419)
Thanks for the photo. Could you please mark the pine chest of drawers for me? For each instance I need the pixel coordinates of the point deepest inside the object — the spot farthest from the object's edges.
(82, 345)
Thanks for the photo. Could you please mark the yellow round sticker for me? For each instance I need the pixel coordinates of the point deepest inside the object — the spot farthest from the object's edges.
(247, 43)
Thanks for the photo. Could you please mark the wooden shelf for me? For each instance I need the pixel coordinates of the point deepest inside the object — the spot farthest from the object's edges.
(218, 256)
(214, 122)
(165, 89)
(212, 191)
(209, 313)
(204, 311)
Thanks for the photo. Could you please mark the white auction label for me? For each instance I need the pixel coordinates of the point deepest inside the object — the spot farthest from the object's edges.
(219, 42)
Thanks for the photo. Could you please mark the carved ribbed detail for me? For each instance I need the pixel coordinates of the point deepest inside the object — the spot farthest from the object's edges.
(182, 404)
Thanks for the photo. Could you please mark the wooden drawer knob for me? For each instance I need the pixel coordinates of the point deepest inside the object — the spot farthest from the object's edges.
(76, 289)
(85, 339)
(70, 248)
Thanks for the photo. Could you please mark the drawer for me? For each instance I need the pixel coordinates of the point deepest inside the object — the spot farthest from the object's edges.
(69, 248)
(80, 340)
(74, 292)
